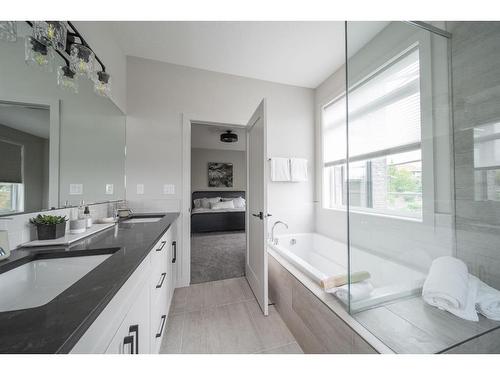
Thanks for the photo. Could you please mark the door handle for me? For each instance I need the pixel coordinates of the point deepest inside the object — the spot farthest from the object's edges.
(261, 215)
(160, 284)
(128, 340)
(134, 329)
(163, 318)
(174, 245)
(161, 246)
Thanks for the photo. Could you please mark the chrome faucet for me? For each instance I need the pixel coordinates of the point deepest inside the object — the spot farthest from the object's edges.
(275, 241)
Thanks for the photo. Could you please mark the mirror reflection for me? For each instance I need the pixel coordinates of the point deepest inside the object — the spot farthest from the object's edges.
(24, 157)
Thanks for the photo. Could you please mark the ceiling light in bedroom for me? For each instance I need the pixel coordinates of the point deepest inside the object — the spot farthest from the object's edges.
(229, 137)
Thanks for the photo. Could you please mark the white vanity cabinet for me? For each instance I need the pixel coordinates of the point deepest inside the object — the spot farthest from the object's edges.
(135, 319)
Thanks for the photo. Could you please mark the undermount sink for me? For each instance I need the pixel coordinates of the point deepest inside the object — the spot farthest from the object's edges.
(138, 220)
(38, 282)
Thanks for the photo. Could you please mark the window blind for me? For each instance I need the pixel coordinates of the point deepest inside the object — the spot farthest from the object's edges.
(384, 113)
(11, 162)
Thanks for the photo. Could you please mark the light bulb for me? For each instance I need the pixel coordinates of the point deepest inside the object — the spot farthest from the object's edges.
(38, 55)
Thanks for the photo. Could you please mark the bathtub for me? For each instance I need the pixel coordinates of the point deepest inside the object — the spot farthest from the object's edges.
(318, 257)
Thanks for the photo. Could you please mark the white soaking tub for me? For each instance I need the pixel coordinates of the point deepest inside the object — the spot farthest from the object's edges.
(320, 257)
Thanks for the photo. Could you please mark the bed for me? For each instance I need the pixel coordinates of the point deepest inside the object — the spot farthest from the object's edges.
(207, 220)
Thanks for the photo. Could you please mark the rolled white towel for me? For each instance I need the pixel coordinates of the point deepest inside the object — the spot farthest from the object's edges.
(487, 300)
(447, 283)
(358, 291)
(468, 312)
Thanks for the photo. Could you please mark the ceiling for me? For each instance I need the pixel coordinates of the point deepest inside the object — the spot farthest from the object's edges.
(208, 136)
(299, 53)
(34, 120)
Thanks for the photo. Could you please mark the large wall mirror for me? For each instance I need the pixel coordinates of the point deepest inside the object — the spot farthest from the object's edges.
(57, 148)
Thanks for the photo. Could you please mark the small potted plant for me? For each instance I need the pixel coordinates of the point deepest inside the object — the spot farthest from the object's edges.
(49, 227)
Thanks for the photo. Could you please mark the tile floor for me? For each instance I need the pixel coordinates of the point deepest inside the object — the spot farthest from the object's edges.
(224, 317)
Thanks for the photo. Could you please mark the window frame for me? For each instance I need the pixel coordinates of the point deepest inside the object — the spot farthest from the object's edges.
(426, 143)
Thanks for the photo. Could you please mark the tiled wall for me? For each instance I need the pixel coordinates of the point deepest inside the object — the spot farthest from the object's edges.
(21, 231)
(476, 102)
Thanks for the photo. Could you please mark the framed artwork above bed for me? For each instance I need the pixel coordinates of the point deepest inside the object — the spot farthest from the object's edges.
(220, 174)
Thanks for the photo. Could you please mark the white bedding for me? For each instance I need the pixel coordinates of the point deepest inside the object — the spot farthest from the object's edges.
(211, 211)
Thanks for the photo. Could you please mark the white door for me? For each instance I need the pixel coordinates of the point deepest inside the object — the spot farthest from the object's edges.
(256, 218)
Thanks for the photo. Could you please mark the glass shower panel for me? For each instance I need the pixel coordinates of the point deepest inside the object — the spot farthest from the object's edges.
(331, 213)
(398, 174)
(476, 107)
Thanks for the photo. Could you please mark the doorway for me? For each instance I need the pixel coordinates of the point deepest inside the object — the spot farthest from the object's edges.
(218, 202)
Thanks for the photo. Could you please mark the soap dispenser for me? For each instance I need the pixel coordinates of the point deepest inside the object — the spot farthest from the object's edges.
(88, 218)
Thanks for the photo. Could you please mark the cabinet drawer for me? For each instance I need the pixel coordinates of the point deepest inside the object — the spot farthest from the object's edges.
(159, 315)
(133, 335)
(159, 254)
(159, 284)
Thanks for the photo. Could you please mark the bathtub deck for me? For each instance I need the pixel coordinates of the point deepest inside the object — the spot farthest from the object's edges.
(411, 326)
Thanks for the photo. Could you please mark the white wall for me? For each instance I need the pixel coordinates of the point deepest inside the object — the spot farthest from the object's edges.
(200, 157)
(100, 38)
(407, 240)
(159, 93)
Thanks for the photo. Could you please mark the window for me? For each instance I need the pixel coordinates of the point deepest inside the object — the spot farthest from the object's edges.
(385, 162)
(11, 198)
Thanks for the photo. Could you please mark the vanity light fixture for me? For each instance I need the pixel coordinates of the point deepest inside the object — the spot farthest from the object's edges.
(81, 60)
(66, 79)
(229, 137)
(8, 31)
(102, 84)
(63, 38)
(38, 54)
(51, 33)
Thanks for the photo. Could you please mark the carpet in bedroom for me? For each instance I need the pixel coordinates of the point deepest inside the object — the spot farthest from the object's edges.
(217, 256)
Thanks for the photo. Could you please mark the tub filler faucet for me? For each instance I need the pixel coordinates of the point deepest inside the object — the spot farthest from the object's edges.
(275, 241)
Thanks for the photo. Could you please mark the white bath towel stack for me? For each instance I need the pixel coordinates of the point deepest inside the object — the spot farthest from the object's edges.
(280, 169)
(450, 287)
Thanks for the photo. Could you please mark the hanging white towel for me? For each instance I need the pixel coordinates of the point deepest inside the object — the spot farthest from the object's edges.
(298, 169)
(487, 300)
(280, 169)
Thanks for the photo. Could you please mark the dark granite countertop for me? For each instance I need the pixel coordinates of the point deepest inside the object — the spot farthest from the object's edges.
(58, 325)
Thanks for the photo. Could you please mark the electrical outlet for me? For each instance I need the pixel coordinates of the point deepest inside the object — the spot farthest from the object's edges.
(75, 189)
(168, 189)
(109, 189)
(140, 189)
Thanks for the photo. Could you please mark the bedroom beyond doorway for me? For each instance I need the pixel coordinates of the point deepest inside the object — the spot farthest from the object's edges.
(218, 202)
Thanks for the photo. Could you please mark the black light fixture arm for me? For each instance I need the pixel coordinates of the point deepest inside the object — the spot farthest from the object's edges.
(74, 33)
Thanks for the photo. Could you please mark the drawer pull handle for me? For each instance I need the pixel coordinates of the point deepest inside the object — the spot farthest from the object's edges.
(131, 330)
(174, 245)
(161, 246)
(128, 340)
(162, 279)
(163, 319)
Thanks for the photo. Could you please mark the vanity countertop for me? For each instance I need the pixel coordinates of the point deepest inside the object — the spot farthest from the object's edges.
(58, 325)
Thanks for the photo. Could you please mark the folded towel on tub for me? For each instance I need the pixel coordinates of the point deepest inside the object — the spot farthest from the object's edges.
(487, 300)
(357, 291)
(449, 287)
(339, 280)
